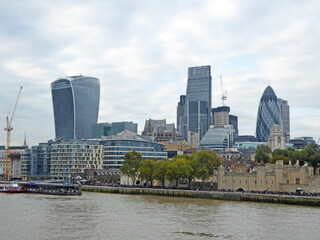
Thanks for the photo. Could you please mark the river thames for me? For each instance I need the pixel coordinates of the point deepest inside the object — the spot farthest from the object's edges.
(113, 216)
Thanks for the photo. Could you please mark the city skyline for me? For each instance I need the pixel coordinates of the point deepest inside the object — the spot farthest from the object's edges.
(141, 58)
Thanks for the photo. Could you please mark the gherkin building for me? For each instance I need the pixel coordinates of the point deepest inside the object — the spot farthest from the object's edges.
(269, 113)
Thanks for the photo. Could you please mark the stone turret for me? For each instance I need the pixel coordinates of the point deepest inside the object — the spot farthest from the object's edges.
(276, 138)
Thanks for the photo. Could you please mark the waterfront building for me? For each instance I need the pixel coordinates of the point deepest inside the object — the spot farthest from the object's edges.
(108, 129)
(285, 114)
(73, 156)
(218, 138)
(276, 139)
(75, 106)
(36, 161)
(160, 131)
(15, 161)
(193, 112)
(116, 146)
(270, 177)
(269, 113)
(302, 142)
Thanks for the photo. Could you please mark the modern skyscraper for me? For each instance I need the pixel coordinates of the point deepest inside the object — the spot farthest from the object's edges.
(197, 105)
(75, 106)
(269, 114)
(181, 118)
(285, 114)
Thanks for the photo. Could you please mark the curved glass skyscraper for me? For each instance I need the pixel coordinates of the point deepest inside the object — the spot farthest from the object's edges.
(269, 113)
(75, 106)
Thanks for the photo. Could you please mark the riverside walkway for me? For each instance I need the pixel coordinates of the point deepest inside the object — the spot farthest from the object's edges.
(216, 195)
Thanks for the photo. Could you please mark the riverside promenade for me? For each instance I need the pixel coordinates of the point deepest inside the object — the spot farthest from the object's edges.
(216, 195)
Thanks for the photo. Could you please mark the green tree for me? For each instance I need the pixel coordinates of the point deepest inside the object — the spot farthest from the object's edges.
(315, 161)
(146, 170)
(264, 148)
(261, 156)
(280, 157)
(279, 152)
(131, 165)
(208, 161)
(179, 168)
(160, 170)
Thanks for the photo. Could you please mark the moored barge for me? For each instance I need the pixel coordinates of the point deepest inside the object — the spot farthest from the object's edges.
(51, 188)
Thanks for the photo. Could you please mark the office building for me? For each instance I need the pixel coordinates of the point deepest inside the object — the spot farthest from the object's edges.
(100, 129)
(218, 138)
(220, 117)
(75, 106)
(108, 129)
(118, 127)
(182, 118)
(269, 114)
(302, 142)
(115, 148)
(285, 114)
(196, 104)
(160, 131)
(15, 161)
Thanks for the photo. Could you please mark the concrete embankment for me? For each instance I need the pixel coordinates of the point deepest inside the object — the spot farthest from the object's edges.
(231, 196)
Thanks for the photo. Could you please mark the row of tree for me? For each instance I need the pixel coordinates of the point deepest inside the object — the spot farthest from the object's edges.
(198, 165)
(310, 155)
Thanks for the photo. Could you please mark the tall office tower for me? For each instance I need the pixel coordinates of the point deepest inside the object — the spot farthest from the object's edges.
(233, 120)
(269, 114)
(181, 118)
(285, 114)
(198, 99)
(75, 106)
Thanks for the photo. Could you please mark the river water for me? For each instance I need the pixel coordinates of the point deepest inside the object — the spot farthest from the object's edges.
(112, 216)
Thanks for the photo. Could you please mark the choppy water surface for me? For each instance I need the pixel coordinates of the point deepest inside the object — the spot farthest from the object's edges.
(110, 216)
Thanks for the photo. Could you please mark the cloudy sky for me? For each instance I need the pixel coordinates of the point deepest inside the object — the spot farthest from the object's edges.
(141, 50)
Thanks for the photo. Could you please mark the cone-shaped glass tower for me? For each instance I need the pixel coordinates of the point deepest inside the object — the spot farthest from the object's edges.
(269, 113)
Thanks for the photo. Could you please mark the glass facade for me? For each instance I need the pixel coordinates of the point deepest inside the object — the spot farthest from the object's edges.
(118, 127)
(218, 138)
(115, 149)
(193, 111)
(269, 113)
(75, 105)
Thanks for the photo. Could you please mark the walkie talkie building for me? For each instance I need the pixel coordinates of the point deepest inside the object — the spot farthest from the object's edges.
(269, 113)
(75, 106)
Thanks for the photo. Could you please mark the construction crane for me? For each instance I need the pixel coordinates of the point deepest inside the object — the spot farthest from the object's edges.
(9, 129)
(223, 94)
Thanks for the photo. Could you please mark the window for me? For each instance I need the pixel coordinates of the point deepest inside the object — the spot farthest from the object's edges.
(297, 180)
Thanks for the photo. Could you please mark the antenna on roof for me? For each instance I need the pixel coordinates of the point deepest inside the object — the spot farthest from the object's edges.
(223, 94)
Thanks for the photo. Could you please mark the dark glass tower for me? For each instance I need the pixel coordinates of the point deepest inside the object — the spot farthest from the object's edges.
(75, 106)
(269, 113)
(193, 112)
